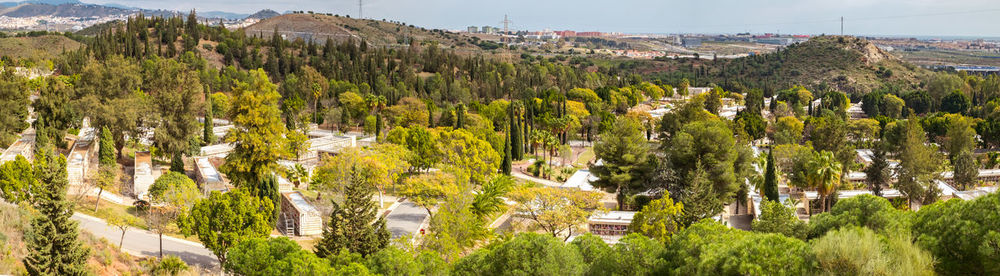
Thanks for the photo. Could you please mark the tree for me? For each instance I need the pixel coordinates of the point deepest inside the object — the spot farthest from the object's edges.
(106, 177)
(878, 173)
(52, 245)
(787, 130)
(274, 256)
(966, 171)
(959, 136)
(208, 133)
(699, 198)
(258, 138)
(558, 212)
(353, 225)
(454, 228)
(224, 220)
(395, 261)
(778, 218)
(770, 189)
(175, 193)
(711, 145)
(753, 124)
(956, 102)
(625, 153)
(860, 251)
(426, 190)
(107, 173)
(963, 236)
(122, 221)
(824, 174)
(18, 182)
(659, 219)
(867, 211)
(423, 144)
(505, 165)
(466, 156)
(918, 164)
(633, 255)
(176, 92)
(708, 247)
(489, 199)
(106, 151)
(525, 254)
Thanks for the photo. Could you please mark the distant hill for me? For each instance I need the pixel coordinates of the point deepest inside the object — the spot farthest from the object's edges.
(263, 14)
(844, 63)
(62, 10)
(41, 47)
(849, 64)
(47, 2)
(319, 27)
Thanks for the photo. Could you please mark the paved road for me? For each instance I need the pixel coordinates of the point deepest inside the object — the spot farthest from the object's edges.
(405, 219)
(145, 243)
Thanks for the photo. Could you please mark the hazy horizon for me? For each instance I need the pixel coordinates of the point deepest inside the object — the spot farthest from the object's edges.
(928, 18)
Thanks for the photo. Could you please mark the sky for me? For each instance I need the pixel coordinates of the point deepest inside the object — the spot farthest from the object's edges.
(978, 18)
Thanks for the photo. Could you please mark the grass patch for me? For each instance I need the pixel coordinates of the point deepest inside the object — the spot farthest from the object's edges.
(585, 156)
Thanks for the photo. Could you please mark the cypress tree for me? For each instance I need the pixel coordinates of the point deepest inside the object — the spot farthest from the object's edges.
(505, 166)
(351, 225)
(516, 144)
(378, 126)
(209, 135)
(106, 152)
(177, 163)
(53, 248)
(460, 116)
(268, 189)
(770, 179)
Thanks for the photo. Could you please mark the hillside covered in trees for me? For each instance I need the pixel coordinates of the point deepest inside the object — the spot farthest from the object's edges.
(842, 63)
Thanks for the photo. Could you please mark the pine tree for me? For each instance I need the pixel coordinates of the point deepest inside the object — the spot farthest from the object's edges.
(770, 179)
(877, 172)
(106, 152)
(700, 201)
(53, 248)
(351, 224)
(208, 136)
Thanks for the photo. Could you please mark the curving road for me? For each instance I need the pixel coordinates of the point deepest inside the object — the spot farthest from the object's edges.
(144, 243)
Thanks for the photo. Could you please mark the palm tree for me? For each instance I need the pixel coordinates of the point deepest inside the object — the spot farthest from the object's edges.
(489, 200)
(824, 175)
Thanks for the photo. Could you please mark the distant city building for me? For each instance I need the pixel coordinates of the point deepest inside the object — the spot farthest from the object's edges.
(691, 42)
(473, 29)
(589, 34)
(566, 33)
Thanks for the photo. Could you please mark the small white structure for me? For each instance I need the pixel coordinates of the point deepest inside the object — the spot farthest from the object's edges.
(143, 177)
(611, 225)
(327, 144)
(219, 150)
(221, 131)
(209, 177)
(23, 147)
(83, 151)
(298, 217)
(580, 180)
